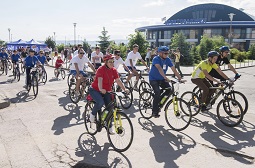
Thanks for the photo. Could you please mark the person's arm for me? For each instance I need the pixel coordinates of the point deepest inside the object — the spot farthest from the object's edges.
(118, 81)
(100, 85)
(92, 67)
(232, 68)
(176, 73)
(145, 64)
(222, 74)
(126, 68)
(209, 76)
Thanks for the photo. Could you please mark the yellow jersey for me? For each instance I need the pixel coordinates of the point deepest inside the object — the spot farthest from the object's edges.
(203, 65)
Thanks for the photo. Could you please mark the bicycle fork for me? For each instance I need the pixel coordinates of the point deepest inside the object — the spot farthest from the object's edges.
(176, 107)
(117, 121)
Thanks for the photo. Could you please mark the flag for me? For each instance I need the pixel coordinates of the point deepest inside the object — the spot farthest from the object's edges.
(163, 19)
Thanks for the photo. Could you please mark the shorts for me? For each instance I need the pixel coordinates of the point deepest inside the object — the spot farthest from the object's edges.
(13, 61)
(81, 72)
(130, 68)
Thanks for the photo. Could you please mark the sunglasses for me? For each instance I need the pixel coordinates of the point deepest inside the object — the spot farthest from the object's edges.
(166, 53)
(118, 54)
(111, 61)
(82, 53)
(41, 53)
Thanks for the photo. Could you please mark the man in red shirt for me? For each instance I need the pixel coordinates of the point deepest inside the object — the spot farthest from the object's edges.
(102, 84)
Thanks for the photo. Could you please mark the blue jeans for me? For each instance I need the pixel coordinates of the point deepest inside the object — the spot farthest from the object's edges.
(100, 99)
(158, 95)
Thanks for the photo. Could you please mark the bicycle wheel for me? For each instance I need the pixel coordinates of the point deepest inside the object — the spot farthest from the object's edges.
(23, 68)
(9, 65)
(56, 73)
(127, 100)
(175, 116)
(73, 95)
(63, 73)
(70, 79)
(90, 127)
(145, 104)
(17, 74)
(198, 92)
(143, 86)
(120, 132)
(238, 96)
(35, 85)
(230, 112)
(44, 77)
(193, 101)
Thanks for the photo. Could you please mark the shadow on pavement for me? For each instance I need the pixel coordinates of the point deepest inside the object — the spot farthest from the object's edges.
(22, 96)
(97, 156)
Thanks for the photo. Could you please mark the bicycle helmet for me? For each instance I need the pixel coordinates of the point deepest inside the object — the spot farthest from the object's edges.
(212, 54)
(163, 49)
(31, 50)
(224, 48)
(108, 56)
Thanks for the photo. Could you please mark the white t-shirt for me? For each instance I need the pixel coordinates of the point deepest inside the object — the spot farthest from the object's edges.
(97, 57)
(148, 54)
(118, 62)
(134, 58)
(80, 61)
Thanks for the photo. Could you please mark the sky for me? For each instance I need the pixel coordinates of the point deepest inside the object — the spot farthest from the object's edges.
(32, 19)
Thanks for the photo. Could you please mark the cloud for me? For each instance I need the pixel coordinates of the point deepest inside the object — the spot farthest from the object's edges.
(154, 3)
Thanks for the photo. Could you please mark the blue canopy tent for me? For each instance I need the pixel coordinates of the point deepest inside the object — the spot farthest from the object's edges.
(20, 43)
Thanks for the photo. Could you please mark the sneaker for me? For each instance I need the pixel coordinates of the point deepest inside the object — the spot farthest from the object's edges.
(203, 109)
(92, 118)
(155, 115)
(111, 131)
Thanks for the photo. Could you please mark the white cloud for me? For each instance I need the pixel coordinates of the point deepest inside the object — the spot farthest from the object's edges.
(154, 3)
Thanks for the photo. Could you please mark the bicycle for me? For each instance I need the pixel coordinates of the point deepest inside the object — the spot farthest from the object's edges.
(119, 127)
(177, 111)
(84, 86)
(33, 81)
(16, 72)
(127, 100)
(232, 113)
(141, 82)
(61, 71)
(42, 75)
(4, 67)
(22, 67)
(70, 79)
(240, 97)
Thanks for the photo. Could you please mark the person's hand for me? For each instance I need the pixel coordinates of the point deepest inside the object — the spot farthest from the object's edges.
(232, 79)
(103, 91)
(127, 91)
(237, 76)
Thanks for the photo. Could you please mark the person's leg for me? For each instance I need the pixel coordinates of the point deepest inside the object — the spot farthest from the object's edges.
(148, 62)
(156, 99)
(211, 91)
(200, 83)
(28, 75)
(163, 84)
(177, 66)
(98, 98)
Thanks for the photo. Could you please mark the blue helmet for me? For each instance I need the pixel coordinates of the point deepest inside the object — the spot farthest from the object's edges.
(163, 49)
(212, 54)
(224, 48)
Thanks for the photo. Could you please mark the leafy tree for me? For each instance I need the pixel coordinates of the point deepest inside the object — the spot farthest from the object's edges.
(2, 43)
(251, 52)
(85, 45)
(195, 55)
(179, 40)
(122, 47)
(139, 39)
(104, 41)
(60, 47)
(218, 41)
(50, 42)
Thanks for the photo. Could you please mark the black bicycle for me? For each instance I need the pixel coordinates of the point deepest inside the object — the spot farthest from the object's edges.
(229, 110)
(33, 84)
(4, 67)
(61, 71)
(42, 75)
(127, 100)
(119, 127)
(16, 72)
(177, 111)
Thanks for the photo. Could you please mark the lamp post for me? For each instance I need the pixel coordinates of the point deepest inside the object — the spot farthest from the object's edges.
(54, 36)
(74, 25)
(231, 15)
(9, 34)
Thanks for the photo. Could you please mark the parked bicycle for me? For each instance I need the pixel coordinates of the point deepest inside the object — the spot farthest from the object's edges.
(229, 110)
(177, 111)
(119, 127)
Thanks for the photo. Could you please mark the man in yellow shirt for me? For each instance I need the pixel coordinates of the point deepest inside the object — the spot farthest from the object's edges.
(200, 74)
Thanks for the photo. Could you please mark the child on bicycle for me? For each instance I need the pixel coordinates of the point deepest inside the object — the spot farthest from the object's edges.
(58, 64)
(200, 74)
(157, 77)
(15, 59)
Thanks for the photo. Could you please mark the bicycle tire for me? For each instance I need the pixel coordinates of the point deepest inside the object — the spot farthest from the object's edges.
(243, 100)
(127, 100)
(35, 85)
(90, 127)
(17, 74)
(6, 69)
(178, 117)
(145, 104)
(122, 128)
(143, 86)
(198, 92)
(236, 114)
(193, 100)
(44, 77)
(63, 74)
(72, 95)
(23, 68)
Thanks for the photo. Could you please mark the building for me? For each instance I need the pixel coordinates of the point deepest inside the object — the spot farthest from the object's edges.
(205, 19)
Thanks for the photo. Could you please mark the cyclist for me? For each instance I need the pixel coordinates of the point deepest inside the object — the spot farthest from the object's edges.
(118, 61)
(76, 68)
(200, 74)
(29, 62)
(222, 59)
(58, 64)
(132, 58)
(157, 77)
(42, 58)
(102, 84)
(3, 56)
(15, 58)
(96, 57)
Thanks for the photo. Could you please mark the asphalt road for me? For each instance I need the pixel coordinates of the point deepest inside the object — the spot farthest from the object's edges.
(48, 131)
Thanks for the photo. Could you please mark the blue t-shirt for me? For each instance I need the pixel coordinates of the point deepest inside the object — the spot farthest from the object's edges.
(3, 55)
(15, 57)
(164, 63)
(42, 59)
(31, 61)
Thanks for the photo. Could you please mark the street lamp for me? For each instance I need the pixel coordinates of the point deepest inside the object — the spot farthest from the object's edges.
(9, 34)
(54, 36)
(231, 15)
(74, 25)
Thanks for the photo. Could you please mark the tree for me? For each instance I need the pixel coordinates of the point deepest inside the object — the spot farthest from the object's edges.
(85, 45)
(104, 41)
(251, 52)
(195, 55)
(50, 42)
(179, 40)
(139, 39)
(2, 43)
